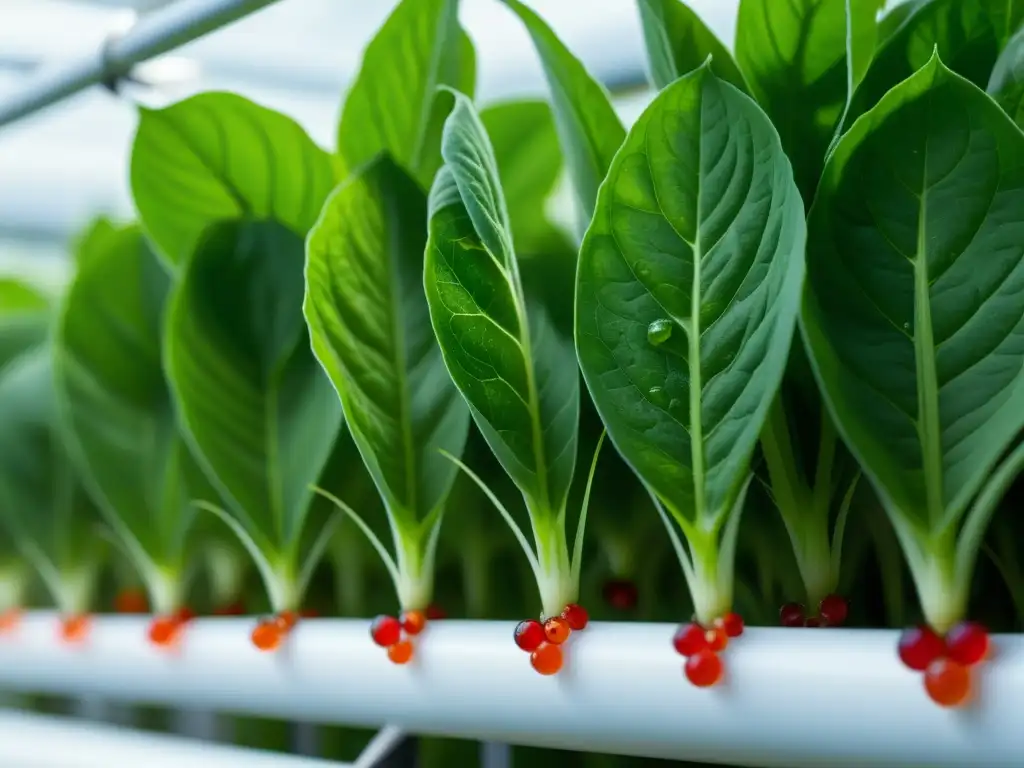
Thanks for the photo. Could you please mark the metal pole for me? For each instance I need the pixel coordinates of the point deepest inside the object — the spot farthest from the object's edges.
(154, 34)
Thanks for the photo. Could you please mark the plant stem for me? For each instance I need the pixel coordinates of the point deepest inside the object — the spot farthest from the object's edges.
(13, 586)
(283, 588)
(554, 574)
(75, 589)
(166, 589)
(943, 597)
(415, 577)
(711, 597)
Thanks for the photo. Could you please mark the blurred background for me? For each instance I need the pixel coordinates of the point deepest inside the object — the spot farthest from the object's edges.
(61, 167)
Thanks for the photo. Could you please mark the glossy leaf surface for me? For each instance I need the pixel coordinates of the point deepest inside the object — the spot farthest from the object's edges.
(258, 410)
(218, 156)
(501, 348)
(678, 41)
(588, 128)
(802, 71)
(688, 289)
(391, 106)
(370, 326)
(914, 306)
(1006, 84)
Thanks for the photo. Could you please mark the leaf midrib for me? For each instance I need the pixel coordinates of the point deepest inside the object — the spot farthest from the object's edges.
(929, 430)
(428, 93)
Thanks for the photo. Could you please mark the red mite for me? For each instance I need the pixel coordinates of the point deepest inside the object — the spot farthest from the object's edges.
(544, 641)
(701, 646)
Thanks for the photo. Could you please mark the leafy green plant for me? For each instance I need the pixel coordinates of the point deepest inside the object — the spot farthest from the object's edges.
(1006, 84)
(116, 407)
(507, 358)
(42, 503)
(911, 315)
(686, 299)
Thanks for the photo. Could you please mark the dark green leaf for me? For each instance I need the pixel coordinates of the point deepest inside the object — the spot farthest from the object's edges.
(526, 148)
(257, 407)
(688, 290)
(802, 72)
(1006, 85)
(894, 18)
(915, 294)
(42, 504)
(370, 327)
(391, 106)
(115, 402)
(678, 42)
(964, 32)
(504, 354)
(218, 156)
(588, 128)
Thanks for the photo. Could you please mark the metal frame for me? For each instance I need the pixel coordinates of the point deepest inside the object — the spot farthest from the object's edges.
(154, 34)
(792, 698)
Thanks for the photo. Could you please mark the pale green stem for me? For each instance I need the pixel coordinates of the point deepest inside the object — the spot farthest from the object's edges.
(554, 573)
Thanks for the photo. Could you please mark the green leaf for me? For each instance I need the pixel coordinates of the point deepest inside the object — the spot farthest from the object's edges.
(678, 41)
(525, 142)
(1006, 85)
(42, 503)
(915, 292)
(24, 318)
(218, 156)
(687, 292)
(115, 402)
(370, 327)
(588, 128)
(258, 410)
(391, 106)
(894, 18)
(504, 354)
(803, 59)
(963, 31)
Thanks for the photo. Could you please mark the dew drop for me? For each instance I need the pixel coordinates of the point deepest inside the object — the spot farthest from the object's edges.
(655, 393)
(659, 331)
(906, 326)
(675, 404)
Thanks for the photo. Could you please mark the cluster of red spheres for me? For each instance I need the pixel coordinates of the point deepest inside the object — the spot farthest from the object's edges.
(395, 634)
(74, 628)
(270, 632)
(165, 630)
(544, 640)
(832, 612)
(9, 620)
(701, 645)
(945, 661)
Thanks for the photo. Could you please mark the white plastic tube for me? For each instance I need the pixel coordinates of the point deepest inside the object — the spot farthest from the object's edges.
(793, 697)
(37, 741)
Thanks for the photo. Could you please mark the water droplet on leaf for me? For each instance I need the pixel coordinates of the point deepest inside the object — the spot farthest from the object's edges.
(659, 331)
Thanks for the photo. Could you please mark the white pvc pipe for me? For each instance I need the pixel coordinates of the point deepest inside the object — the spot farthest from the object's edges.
(37, 741)
(793, 697)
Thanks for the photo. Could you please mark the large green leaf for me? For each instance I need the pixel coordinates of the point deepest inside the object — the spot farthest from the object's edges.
(42, 503)
(588, 128)
(503, 352)
(802, 70)
(1006, 85)
(116, 405)
(218, 156)
(525, 142)
(678, 42)
(391, 106)
(688, 290)
(914, 306)
(968, 36)
(257, 408)
(24, 317)
(371, 331)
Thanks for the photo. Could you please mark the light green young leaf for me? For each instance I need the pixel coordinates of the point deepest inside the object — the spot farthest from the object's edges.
(42, 504)
(588, 128)
(525, 142)
(1006, 84)
(803, 59)
(370, 328)
(419, 47)
(256, 407)
(504, 354)
(219, 156)
(24, 317)
(915, 293)
(678, 42)
(965, 32)
(687, 293)
(116, 407)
